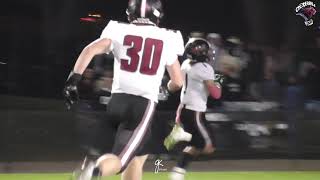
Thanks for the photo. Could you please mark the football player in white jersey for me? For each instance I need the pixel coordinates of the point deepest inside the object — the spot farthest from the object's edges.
(199, 83)
(142, 52)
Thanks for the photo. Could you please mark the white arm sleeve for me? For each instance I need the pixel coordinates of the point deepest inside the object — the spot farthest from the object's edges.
(176, 42)
(109, 32)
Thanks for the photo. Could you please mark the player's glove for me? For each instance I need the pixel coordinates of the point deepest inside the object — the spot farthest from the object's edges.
(163, 93)
(218, 79)
(70, 90)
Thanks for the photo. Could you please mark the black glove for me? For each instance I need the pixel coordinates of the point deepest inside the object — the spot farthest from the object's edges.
(70, 90)
(219, 78)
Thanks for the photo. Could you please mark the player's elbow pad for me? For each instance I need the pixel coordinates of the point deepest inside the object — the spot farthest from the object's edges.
(215, 91)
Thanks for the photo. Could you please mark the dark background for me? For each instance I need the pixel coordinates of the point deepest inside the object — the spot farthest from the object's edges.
(41, 39)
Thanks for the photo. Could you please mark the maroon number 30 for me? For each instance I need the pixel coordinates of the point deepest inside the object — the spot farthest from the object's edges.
(151, 55)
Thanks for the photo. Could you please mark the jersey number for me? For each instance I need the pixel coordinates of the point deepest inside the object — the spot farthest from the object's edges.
(151, 55)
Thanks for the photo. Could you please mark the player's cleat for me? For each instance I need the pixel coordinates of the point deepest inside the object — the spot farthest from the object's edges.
(88, 171)
(76, 173)
(176, 135)
(177, 174)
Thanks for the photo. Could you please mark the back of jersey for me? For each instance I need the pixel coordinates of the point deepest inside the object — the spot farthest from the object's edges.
(141, 53)
(194, 93)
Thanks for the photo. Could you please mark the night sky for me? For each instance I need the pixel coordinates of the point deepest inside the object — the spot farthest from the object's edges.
(265, 21)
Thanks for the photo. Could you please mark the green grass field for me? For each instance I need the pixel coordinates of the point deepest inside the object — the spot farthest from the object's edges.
(305, 175)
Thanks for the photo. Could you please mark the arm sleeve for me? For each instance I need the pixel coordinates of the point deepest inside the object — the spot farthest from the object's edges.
(109, 32)
(185, 65)
(176, 42)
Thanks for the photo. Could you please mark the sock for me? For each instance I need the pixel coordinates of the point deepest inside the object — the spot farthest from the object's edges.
(184, 159)
(177, 170)
(96, 172)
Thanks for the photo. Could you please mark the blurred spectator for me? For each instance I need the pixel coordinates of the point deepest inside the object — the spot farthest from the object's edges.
(232, 63)
(94, 90)
(216, 49)
(197, 34)
(230, 66)
(310, 69)
(261, 74)
(233, 86)
(293, 104)
(310, 74)
(235, 48)
(270, 87)
(254, 70)
(294, 94)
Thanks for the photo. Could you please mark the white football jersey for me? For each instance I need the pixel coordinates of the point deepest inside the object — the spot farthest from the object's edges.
(141, 53)
(194, 92)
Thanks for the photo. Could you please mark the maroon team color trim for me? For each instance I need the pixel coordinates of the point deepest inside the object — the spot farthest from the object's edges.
(150, 110)
(202, 129)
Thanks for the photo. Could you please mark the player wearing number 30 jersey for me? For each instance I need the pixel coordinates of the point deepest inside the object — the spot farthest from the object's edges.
(142, 52)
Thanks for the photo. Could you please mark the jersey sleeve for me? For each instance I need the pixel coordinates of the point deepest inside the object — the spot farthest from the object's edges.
(177, 47)
(185, 66)
(109, 31)
(202, 72)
